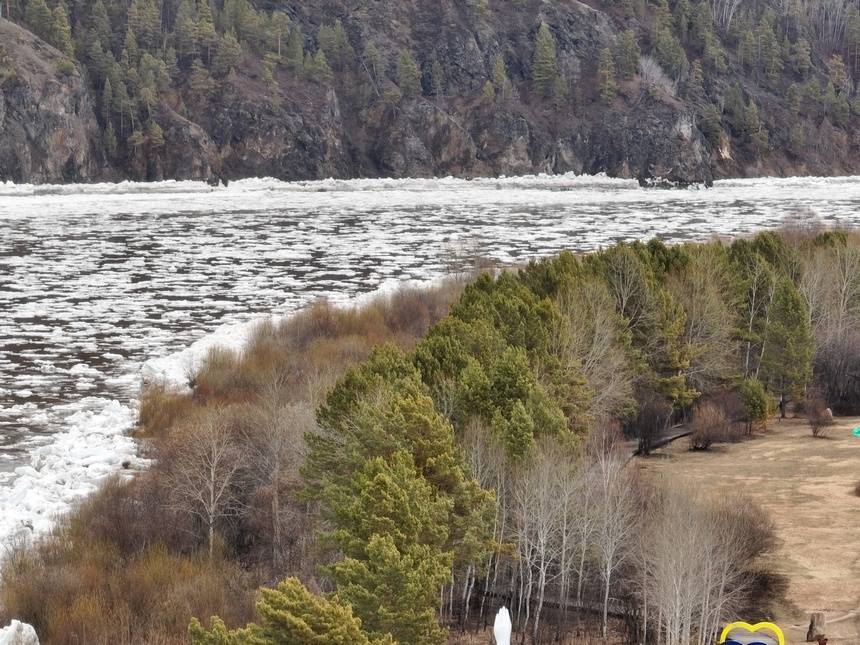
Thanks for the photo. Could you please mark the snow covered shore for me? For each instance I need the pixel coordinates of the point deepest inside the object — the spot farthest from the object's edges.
(96, 442)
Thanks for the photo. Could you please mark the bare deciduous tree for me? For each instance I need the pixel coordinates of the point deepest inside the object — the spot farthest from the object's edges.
(203, 475)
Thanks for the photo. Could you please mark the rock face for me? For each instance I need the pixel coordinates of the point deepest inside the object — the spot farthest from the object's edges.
(295, 126)
(48, 131)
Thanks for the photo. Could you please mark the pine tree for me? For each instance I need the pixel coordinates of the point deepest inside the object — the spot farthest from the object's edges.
(280, 24)
(295, 54)
(606, 77)
(110, 140)
(437, 77)
(747, 49)
(408, 75)
(62, 32)
(227, 56)
(107, 101)
(206, 35)
(801, 59)
(696, 84)
(291, 615)
(100, 24)
(544, 61)
(154, 134)
(753, 130)
(503, 84)
(627, 55)
(771, 51)
(199, 80)
(488, 93)
(787, 359)
(39, 19)
(185, 30)
(317, 67)
(838, 74)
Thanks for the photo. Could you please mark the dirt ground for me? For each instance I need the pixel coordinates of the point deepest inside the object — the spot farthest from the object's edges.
(806, 485)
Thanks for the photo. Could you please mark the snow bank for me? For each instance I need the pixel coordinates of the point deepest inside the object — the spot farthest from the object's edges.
(18, 633)
(93, 445)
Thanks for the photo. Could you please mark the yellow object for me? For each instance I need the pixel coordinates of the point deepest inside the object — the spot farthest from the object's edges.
(777, 632)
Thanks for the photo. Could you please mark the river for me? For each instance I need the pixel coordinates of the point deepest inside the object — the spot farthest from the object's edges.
(96, 279)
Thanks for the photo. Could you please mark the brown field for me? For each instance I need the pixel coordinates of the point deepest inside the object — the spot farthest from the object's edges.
(806, 485)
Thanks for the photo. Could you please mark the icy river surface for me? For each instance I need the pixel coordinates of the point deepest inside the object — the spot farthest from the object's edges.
(97, 279)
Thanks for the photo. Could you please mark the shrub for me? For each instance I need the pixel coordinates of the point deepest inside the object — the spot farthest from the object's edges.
(160, 409)
(709, 424)
(818, 414)
(757, 404)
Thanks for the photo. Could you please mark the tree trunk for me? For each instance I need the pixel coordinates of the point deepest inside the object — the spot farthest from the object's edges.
(816, 627)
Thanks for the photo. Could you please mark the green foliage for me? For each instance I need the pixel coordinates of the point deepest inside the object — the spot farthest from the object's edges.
(755, 400)
(606, 77)
(395, 592)
(787, 357)
(544, 61)
(627, 55)
(408, 75)
(227, 56)
(290, 615)
(110, 140)
(753, 130)
(501, 81)
(801, 57)
(669, 52)
(39, 19)
(334, 42)
(61, 36)
(295, 53)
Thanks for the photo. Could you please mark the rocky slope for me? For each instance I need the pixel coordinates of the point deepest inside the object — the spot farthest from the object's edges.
(48, 131)
(295, 126)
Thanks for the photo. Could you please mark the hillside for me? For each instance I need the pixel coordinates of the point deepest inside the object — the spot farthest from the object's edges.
(688, 90)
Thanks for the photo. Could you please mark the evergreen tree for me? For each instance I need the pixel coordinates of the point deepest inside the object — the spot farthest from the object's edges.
(206, 35)
(290, 615)
(154, 134)
(295, 54)
(317, 67)
(696, 84)
(544, 61)
(747, 49)
(488, 93)
(606, 77)
(437, 77)
(502, 82)
(408, 75)
(753, 130)
(227, 56)
(62, 32)
(185, 30)
(627, 55)
(280, 25)
(787, 359)
(107, 101)
(39, 19)
(801, 59)
(110, 140)
(100, 24)
(771, 50)
(838, 74)
(199, 80)
(669, 52)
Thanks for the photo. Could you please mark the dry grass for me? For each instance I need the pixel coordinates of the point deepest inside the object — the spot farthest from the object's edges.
(125, 567)
(806, 487)
(96, 581)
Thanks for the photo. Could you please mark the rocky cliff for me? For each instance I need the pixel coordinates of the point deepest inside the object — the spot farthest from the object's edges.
(354, 116)
(48, 131)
